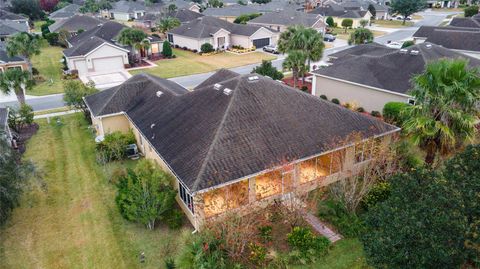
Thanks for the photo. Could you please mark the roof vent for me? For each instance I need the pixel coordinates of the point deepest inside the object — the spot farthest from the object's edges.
(429, 46)
(227, 91)
(403, 51)
(414, 52)
(253, 78)
(152, 125)
(217, 86)
(159, 93)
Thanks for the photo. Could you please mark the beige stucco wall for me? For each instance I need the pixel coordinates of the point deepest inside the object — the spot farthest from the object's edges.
(105, 51)
(221, 33)
(191, 43)
(367, 98)
(115, 123)
(5, 66)
(356, 21)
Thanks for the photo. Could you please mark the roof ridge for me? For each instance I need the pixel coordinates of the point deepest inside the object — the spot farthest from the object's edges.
(215, 138)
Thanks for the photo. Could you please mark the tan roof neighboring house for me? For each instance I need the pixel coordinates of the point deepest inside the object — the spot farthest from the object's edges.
(246, 133)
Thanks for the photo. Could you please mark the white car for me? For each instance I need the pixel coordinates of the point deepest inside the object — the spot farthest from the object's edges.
(394, 45)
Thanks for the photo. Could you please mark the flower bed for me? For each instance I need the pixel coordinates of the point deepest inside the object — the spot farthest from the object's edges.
(242, 50)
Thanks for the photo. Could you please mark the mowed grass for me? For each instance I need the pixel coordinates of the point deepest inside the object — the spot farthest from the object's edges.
(340, 33)
(37, 25)
(48, 63)
(189, 63)
(344, 254)
(393, 23)
(69, 219)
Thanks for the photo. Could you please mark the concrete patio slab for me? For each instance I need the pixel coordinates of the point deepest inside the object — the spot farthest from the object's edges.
(106, 80)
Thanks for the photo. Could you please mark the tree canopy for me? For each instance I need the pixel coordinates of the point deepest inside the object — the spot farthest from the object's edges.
(267, 69)
(75, 91)
(30, 8)
(360, 36)
(407, 7)
(16, 81)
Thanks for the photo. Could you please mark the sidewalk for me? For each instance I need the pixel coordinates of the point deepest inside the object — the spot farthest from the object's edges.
(320, 227)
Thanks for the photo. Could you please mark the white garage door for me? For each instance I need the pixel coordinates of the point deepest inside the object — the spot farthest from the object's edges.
(108, 64)
(81, 66)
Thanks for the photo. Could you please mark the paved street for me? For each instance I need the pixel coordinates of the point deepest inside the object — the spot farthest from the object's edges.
(429, 18)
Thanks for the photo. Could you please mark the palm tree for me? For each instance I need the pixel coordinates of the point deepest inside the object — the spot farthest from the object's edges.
(166, 24)
(444, 115)
(295, 61)
(23, 44)
(15, 80)
(134, 38)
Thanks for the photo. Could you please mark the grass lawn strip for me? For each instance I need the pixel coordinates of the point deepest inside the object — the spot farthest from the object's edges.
(189, 63)
(50, 68)
(72, 221)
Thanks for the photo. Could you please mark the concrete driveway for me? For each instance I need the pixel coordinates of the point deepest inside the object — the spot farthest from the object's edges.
(106, 80)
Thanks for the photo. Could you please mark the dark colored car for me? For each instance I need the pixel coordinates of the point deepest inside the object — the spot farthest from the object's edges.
(329, 38)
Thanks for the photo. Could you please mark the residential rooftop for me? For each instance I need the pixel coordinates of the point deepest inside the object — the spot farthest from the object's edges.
(334, 10)
(287, 18)
(230, 11)
(8, 27)
(75, 23)
(65, 12)
(231, 126)
(378, 66)
(458, 38)
(107, 31)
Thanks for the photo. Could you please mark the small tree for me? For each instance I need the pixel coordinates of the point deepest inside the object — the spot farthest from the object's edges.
(48, 5)
(135, 38)
(166, 24)
(360, 36)
(206, 48)
(471, 11)
(363, 23)
(295, 61)
(373, 11)
(330, 21)
(408, 43)
(15, 81)
(244, 18)
(347, 23)
(172, 8)
(267, 69)
(75, 91)
(407, 7)
(167, 49)
(393, 112)
(145, 195)
(31, 8)
(25, 45)
(19, 118)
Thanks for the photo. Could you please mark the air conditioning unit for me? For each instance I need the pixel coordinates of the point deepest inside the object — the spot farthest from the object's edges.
(227, 91)
(217, 86)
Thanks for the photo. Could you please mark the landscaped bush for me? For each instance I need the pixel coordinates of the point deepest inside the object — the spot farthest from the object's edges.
(114, 146)
(267, 69)
(206, 48)
(324, 97)
(167, 49)
(174, 219)
(19, 118)
(258, 254)
(349, 225)
(266, 233)
(408, 43)
(206, 251)
(376, 114)
(304, 89)
(360, 109)
(392, 112)
(336, 101)
(307, 244)
(471, 11)
(52, 38)
(379, 193)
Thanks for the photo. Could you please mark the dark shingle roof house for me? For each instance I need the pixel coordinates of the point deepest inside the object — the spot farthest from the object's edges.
(288, 18)
(9, 28)
(4, 58)
(277, 5)
(7, 15)
(65, 12)
(362, 5)
(231, 126)
(377, 66)
(183, 15)
(334, 10)
(205, 26)
(75, 23)
(106, 30)
(127, 6)
(230, 11)
(457, 38)
(472, 22)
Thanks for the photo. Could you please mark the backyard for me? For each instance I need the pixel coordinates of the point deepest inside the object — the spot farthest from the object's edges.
(69, 219)
(188, 63)
(49, 65)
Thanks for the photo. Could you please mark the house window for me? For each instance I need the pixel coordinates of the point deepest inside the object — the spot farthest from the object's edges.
(411, 101)
(186, 197)
(363, 151)
(170, 38)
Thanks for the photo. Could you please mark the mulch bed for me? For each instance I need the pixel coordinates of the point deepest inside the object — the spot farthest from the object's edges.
(289, 82)
(24, 134)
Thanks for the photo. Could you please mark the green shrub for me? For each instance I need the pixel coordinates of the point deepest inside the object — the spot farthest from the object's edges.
(330, 22)
(304, 89)
(408, 43)
(167, 49)
(267, 69)
(170, 263)
(471, 11)
(266, 233)
(52, 38)
(336, 101)
(174, 219)
(324, 97)
(18, 118)
(114, 145)
(308, 245)
(349, 225)
(379, 193)
(206, 251)
(206, 48)
(392, 112)
(376, 114)
(360, 109)
(258, 254)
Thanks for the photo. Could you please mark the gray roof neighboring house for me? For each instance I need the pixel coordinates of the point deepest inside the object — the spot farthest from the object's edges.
(276, 5)
(230, 11)
(75, 23)
(375, 65)
(472, 22)
(183, 15)
(65, 12)
(334, 10)
(127, 6)
(458, 38)
(85, 47)
(362, 5)
(288, 18)
(7, 15)
(209, 138)
(107, 31)
(4, 58)
(206, 26)
(9, 28)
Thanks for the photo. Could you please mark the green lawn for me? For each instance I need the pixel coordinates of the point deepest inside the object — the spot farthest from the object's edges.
(340, 33)
(50, 68)
(69, 219)
(392, 24)
(344, 254)
(188, 63)
(37, 26)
